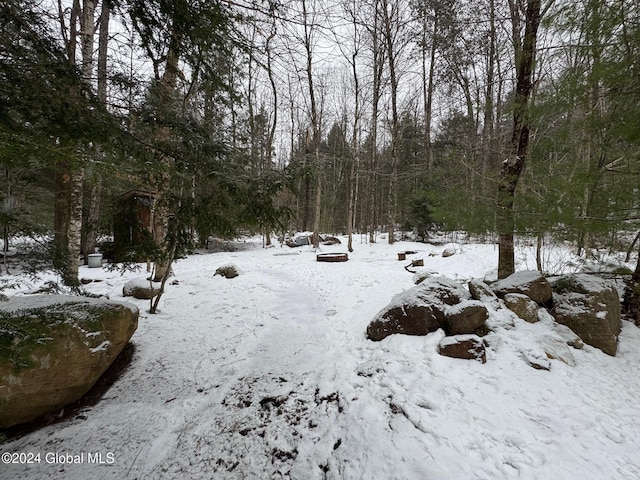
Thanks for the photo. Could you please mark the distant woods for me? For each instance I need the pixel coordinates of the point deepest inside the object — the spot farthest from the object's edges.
(500, 118)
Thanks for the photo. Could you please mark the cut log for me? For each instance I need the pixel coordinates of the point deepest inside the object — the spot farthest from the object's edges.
(332, 257)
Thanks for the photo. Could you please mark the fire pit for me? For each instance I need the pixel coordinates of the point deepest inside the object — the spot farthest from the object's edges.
(332, 257)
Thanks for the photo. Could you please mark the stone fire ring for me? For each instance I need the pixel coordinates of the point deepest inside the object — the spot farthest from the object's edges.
(332, 257)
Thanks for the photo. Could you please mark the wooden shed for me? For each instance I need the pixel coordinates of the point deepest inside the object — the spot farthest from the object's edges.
(132, 224)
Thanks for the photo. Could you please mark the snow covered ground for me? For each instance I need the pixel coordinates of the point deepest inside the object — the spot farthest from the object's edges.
(269, 375)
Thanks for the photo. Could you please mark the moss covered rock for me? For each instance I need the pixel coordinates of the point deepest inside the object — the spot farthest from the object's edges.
(54, 348)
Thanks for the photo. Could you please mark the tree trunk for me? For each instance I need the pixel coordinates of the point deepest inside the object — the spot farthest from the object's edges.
(87, 26)
(315, 123)
(8, 207)
(378, 66)
(630, 249)
(93, 216)
(513, 166)
(75, 225)
(428, 86)
(274, 116)
(487, 127)
(68, 181)
(389, 36)
(68, 223)
(539, 242)
(632, 294)
(161, 210)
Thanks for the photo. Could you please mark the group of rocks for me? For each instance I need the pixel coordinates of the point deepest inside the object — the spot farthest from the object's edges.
(587, 304)
(303, 239)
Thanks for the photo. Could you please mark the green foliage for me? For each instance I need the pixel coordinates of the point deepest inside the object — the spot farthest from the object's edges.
(583, 170)
(258, 208)
(45, 108)
(419, 216)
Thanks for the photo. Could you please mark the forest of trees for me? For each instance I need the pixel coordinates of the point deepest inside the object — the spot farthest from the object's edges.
(496, 117)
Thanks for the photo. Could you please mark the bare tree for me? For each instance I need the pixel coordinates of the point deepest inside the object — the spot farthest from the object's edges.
(512, 167)
(308, 24)
(352, 58)
(377, 66)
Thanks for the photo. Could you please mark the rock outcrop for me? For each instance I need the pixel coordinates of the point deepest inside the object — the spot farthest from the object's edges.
(54, 348)
(589, 306)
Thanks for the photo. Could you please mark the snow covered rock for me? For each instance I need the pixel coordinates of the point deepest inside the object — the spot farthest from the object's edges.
(420, 276)
(590, 306)
(417, 311)
(449, 252)
(227, 271)
(481, 291)
(141, 289)
(331, 241)
(556, 348)
(54, 348)
(522, 306)
(465, 317)
(408, 319)
(536, 358)
(468, 347)
(529, 282)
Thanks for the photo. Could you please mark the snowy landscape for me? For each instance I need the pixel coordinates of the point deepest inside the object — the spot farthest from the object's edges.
(269, 375)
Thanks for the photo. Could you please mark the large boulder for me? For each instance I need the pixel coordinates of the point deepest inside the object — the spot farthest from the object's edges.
(54, 348)
(522, 306)
(417, 311)
(465, 317)
(141, 289)
(528, 282)
(590, 306)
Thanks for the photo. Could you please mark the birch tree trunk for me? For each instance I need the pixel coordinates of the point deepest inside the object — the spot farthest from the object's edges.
(95, 181)
(69, 176)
